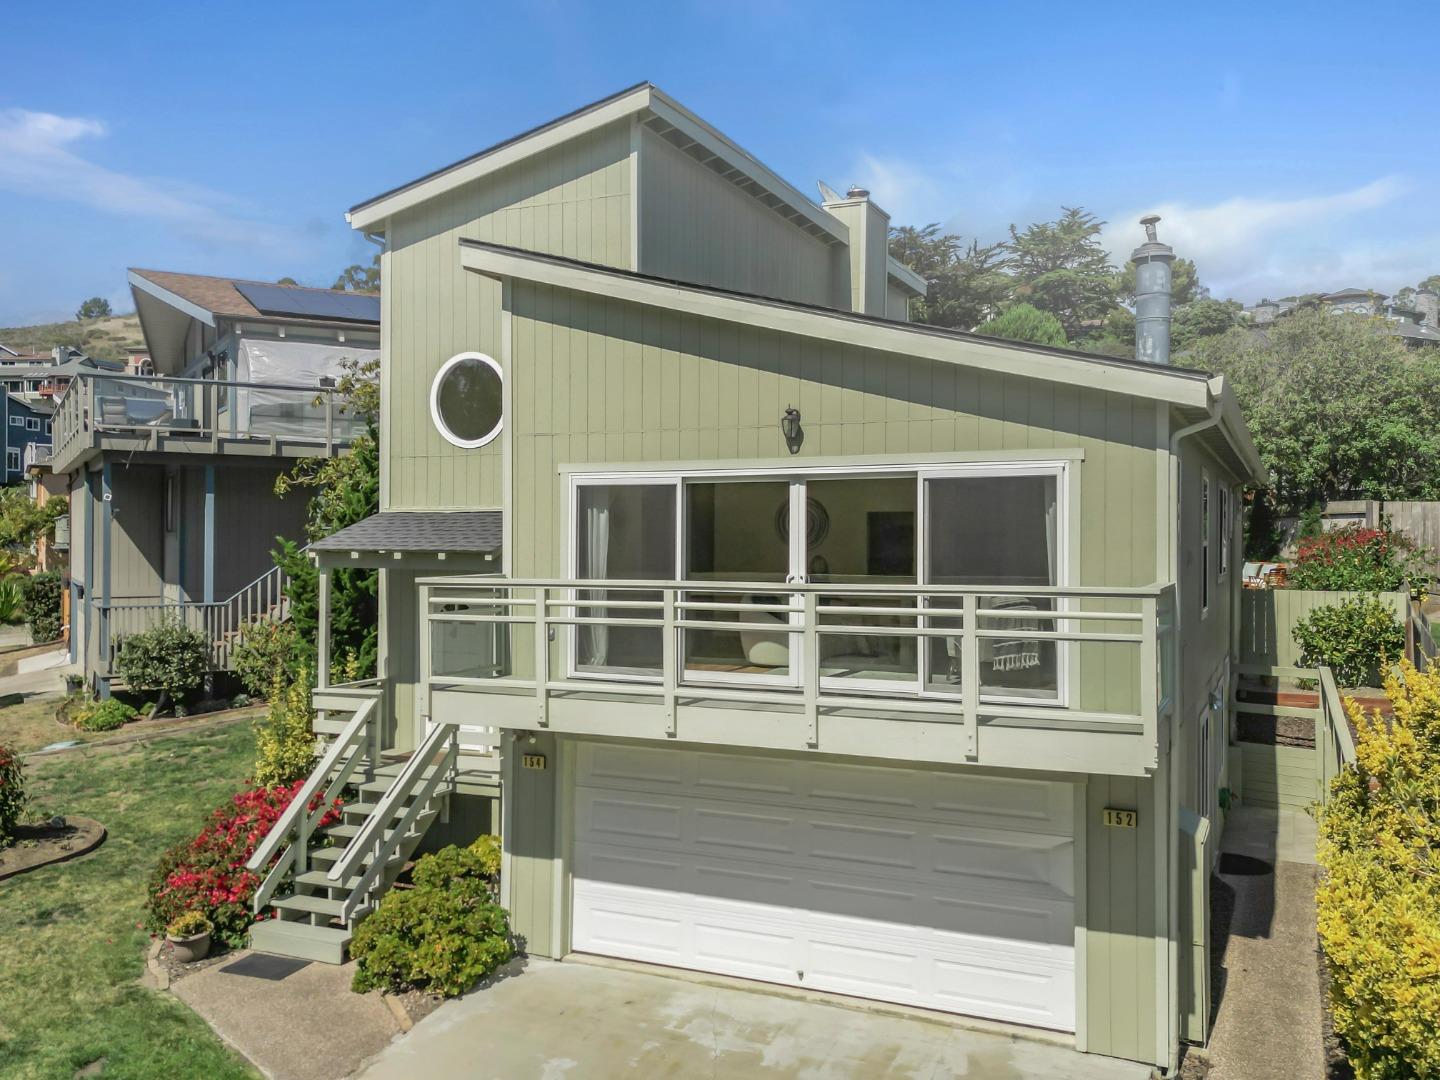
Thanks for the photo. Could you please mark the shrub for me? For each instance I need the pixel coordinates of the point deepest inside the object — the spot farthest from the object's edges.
(266, 651)
(104, 715)
(285, 737)
(1353, 638)
(1379, 899)
(444, 935)
(42, 606)
(12, 600)
(1361, 559)
(189, 924)
(13, 799)
(168, 657)
(207, 874)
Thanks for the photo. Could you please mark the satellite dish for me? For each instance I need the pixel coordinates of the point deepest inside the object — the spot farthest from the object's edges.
(829, 194)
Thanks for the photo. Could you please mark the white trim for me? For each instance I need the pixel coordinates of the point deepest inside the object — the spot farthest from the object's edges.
(1096, 373)
(1205, 530)
(174, 300)
(435, 418)
(644, 98)
(905, 276)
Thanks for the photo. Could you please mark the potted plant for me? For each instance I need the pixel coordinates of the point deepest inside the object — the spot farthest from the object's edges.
(189, 936)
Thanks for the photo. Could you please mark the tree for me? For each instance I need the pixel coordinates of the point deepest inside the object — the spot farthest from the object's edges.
(967, 284)
(1021, 322)
(1430, 284)
(1337, 406)
(97, 307)
(1203, 318)
(358, 278)
(291, 280)
(346, 489)
(1060, 267)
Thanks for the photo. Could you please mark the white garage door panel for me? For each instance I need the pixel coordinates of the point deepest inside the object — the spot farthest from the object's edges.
(916, 891)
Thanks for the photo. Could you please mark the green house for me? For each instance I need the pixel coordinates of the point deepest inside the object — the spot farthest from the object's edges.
(778, 637)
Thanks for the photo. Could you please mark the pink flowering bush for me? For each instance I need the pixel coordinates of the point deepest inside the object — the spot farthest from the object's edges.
(208, 874)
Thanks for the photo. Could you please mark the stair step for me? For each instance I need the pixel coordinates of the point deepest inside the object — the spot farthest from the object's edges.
(349, 832)
(325, 944)
(326, 855)
(385, 778)
(320, 879)
(311, 905)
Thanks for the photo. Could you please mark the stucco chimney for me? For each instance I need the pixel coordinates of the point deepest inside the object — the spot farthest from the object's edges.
(1152, 295)
(865, 264)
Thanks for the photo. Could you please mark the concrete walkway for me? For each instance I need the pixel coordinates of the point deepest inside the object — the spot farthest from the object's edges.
(1269, 1025)
(40, 674)
(579, 1020)
(294, 1020)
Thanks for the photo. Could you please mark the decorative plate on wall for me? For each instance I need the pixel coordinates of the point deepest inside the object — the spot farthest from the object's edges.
(817, 524)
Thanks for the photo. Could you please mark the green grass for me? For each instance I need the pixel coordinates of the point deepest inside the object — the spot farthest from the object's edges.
(71, 943)
(105, 339)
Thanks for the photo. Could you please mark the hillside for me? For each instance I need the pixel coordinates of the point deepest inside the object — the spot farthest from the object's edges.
(104, 339)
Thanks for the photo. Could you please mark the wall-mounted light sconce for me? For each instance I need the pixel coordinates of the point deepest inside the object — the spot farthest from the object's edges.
(790, 428)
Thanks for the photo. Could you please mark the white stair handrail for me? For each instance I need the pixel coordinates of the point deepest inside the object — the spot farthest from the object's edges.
(355, 732)
(385, 846)
(374, 827)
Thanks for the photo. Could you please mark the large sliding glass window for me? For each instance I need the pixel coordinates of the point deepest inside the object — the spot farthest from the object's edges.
(985, 528)
(623, 532)
(871, 542)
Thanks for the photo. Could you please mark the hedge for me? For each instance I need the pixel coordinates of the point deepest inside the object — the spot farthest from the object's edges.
(42, 606)
(1379, 897)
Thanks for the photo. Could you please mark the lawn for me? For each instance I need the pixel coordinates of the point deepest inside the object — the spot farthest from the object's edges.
(31, 725)
(73, 948)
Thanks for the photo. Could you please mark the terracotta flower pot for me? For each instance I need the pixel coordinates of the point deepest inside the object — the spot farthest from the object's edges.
(187, 950)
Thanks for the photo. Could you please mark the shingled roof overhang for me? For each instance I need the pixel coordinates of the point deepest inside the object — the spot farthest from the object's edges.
(1194, 393)
(392, 535)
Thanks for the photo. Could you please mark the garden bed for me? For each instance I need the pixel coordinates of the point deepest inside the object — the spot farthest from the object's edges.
(40, 845)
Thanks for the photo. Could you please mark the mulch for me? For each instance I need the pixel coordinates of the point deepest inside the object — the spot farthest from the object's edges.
(40, 845)
(1337, 1063)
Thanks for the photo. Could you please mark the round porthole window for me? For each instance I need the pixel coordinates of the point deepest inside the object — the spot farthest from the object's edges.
(466, 399)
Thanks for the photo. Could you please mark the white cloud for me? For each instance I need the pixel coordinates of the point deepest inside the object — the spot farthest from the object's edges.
(1247, 247)
(910, 194)
(38, 158)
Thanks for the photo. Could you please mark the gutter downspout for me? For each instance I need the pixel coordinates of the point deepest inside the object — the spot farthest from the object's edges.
(1170, 1033)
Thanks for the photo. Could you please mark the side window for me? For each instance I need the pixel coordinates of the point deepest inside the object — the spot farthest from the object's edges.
(1204, 542)
(12, 460)
(1226, 513)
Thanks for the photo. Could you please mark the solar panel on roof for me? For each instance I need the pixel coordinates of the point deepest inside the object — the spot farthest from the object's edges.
(311, 303)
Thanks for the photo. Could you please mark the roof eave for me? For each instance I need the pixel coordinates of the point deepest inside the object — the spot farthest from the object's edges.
(1177, 386)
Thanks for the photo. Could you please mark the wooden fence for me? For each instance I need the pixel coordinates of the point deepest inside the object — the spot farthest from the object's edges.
(1268, 618)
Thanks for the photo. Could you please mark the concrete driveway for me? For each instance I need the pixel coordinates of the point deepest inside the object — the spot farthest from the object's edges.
(578, 1021)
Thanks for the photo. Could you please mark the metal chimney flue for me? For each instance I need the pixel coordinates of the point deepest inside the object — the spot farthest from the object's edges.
(1152, 261)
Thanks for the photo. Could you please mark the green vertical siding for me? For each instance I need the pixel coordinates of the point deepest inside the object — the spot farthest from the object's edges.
(1122, 917)
(696, 226)
(575, 201)
(530, 835)
(1279, 775)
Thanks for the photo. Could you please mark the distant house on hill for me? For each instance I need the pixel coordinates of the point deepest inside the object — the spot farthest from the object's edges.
(1417, 323)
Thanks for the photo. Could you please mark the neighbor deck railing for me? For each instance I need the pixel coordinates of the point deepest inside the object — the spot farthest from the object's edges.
(1111, 647)
(210, 408)
(222, 622)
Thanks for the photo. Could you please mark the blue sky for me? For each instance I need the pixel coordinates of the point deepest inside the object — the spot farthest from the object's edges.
(1290, 146)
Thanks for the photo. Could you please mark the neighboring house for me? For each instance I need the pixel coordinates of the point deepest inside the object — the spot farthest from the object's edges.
(1416, 325)
(52, 552)
(27, 420)
(171, 476)
(779, 638)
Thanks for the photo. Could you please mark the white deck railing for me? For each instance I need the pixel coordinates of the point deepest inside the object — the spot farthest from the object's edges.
(1098, 657)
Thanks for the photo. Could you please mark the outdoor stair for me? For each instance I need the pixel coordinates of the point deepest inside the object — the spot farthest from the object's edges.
(311, 916)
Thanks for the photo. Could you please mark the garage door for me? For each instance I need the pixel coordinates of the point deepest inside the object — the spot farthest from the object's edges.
(923, 888)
